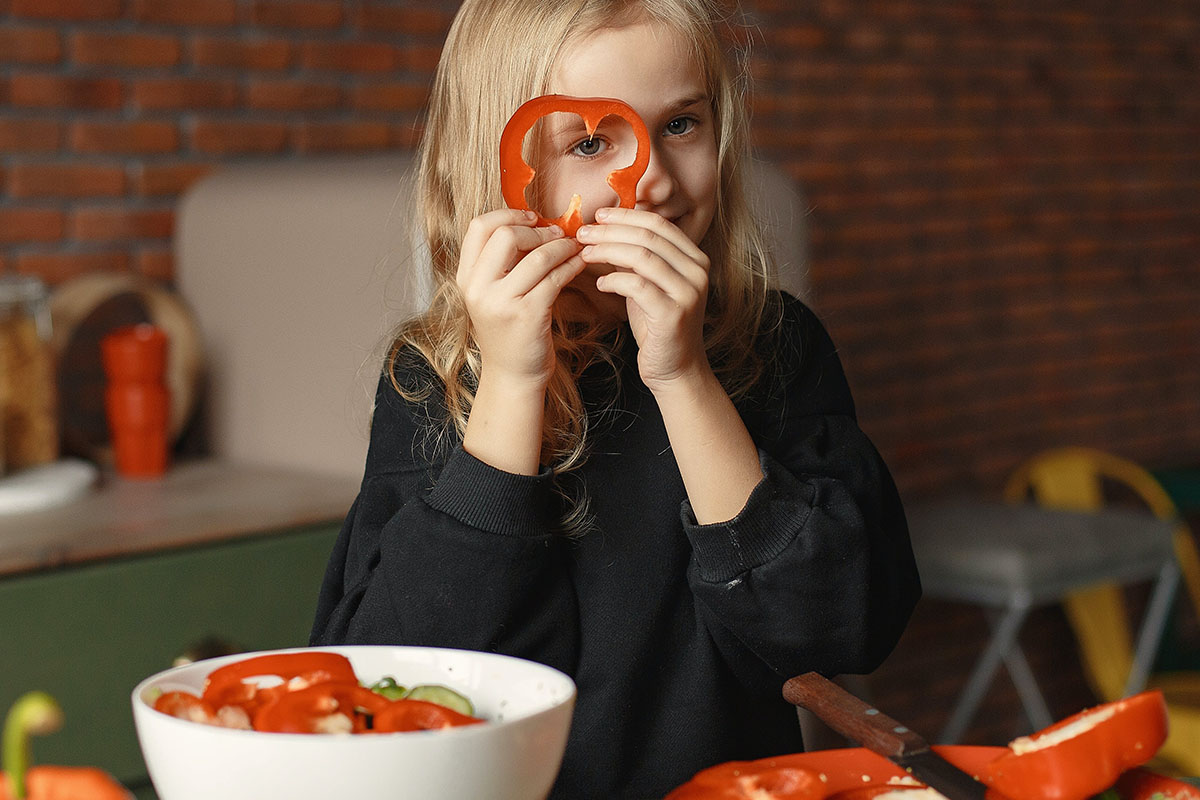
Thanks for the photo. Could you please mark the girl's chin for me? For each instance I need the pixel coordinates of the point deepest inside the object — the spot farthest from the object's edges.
(588, 304)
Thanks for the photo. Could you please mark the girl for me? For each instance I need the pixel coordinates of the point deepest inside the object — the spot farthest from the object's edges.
(620, 453)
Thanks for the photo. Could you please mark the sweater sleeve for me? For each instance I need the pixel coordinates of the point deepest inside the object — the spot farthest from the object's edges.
(816, 571)
(445, 550)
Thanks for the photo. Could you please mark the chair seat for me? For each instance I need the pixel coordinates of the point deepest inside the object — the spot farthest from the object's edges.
(999, 554)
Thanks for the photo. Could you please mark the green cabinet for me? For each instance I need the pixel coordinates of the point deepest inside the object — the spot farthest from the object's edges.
(88, 633)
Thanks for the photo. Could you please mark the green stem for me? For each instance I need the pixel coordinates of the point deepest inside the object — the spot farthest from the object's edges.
(33, 714)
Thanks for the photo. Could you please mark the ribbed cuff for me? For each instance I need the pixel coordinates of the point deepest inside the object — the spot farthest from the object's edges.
(766, 525)
(490, 499)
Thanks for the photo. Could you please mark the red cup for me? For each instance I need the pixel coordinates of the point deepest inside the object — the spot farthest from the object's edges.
(136, 399)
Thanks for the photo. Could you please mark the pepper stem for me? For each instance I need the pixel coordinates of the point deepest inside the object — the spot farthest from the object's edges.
(33, 714)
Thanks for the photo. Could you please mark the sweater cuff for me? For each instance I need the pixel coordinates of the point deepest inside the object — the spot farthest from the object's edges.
(484, 497)
(773, 515)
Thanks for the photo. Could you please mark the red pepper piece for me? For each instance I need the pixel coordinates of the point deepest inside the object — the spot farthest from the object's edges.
(516, 175)
(751, 780)
(227, 685)
(186, 705)
(317, 708)
(418, 715)
(1142, 784)
(1127, 734)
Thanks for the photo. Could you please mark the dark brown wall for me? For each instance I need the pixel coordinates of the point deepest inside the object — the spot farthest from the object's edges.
(1005, 207)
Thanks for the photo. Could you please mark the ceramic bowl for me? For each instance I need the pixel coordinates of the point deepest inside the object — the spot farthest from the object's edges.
(514, 756)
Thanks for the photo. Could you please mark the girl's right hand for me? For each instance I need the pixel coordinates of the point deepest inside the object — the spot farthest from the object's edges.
(509, 274)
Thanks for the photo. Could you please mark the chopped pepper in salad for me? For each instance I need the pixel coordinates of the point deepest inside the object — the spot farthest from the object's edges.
(314, 692)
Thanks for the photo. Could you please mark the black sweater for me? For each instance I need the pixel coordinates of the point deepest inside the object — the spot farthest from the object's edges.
(679, 636)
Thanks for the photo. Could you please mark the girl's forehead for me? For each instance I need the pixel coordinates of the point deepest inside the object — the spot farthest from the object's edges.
(646, 64)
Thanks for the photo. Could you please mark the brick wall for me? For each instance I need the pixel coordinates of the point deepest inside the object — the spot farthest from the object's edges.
(1005, 207)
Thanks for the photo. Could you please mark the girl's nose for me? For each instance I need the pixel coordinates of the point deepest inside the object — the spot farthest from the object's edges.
(658, 184)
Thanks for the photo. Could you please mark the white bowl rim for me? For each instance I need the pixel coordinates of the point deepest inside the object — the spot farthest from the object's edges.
(138, 699)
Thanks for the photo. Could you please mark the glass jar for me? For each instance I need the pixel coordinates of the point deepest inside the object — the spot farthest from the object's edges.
(28, 404)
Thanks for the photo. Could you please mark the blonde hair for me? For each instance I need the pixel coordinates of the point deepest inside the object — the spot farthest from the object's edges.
(498, 54)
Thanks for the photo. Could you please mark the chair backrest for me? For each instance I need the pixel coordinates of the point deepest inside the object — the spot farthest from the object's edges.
(1074, 478)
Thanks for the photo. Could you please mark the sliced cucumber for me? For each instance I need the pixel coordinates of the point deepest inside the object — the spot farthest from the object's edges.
(443, 696)
(388, 688)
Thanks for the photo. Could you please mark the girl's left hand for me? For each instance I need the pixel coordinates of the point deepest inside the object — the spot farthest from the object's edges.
(663, 276)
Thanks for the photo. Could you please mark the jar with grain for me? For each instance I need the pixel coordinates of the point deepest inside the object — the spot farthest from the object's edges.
(28, 404)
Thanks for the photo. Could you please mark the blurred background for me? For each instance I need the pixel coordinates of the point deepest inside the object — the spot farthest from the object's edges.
(1003, 212)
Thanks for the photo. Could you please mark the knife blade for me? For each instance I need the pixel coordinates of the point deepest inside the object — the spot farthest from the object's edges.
(879, 733)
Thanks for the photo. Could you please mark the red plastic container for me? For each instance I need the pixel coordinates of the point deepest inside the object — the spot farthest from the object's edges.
(136, 399)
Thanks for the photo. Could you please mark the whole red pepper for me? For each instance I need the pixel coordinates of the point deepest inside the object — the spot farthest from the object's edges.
(516, 175)
(1125, 734)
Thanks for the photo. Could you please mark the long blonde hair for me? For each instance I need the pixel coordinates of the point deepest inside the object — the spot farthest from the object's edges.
(498, 54)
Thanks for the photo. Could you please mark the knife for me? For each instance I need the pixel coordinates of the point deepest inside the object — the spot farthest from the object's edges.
(879, 733)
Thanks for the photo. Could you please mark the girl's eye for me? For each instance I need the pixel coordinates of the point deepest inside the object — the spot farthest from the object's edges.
(588, 147)
(680, 126)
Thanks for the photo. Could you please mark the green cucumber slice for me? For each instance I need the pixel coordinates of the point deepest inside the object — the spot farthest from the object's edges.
(443, 696)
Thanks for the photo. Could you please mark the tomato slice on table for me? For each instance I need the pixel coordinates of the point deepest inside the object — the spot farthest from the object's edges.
(1083, 754)
(516, 175)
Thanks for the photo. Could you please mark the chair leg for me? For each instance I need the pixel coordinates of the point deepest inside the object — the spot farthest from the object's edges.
(1004, 634)
(1036, 711)
(1151, 630)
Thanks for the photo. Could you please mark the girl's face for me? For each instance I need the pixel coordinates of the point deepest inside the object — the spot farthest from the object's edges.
(648, 66)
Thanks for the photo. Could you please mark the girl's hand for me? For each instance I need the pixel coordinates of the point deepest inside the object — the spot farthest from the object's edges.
(509, 274)
(663, 276)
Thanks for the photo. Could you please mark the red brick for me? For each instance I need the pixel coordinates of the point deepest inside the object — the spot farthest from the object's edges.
(290, 95)
(55, 267)
(30, 135)
(104, 223)
(420, 58)
(156, 262)
(169, 179)
(225, 138)
(332, 136)
(208, 51)
(157, 94)
(298, 13)
(351, 56)
(68, 10)
(145, 136)
(390, 97)
(407, 136)
(187, 12)
(22, 45)
(59, 91)
(66, 180)
(106, 49)
(390, 19)
(22, 225)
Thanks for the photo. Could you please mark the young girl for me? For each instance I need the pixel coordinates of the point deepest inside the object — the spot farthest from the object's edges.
(621, 453)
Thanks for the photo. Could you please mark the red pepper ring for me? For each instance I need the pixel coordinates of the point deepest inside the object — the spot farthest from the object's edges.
(314, 709)
(418, 715)
(1124, 734)
(226, 685)
(516, 175)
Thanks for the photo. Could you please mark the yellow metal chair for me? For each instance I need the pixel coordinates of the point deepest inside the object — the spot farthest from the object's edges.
(1075, 478)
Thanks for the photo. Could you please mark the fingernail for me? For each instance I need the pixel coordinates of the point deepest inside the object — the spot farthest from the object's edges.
(530, 215)
(554, 230)
(584, 233)
(602, 213)
(587, 250)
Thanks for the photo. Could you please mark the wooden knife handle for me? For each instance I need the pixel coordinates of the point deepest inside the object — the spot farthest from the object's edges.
(851, 717)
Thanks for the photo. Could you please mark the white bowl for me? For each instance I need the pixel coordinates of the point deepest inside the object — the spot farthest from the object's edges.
(514, 756)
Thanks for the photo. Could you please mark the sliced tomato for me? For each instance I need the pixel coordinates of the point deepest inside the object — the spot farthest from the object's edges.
(752, 780)
(418, 715)
(1083, 754)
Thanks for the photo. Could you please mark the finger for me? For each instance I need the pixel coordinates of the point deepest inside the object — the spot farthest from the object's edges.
(506, 246)
(684, 261)
(481, 228)
(650, 221)
(550, 287)
(653, 301)
(649, 265)
(536, 265)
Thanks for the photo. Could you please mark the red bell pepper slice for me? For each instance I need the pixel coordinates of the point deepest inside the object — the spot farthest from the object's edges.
(186, 705)
(516, 175)
(320, 708)
(751, 780)
(228, 685)
(1142, 784)
(418, 715)
(1097, 745)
